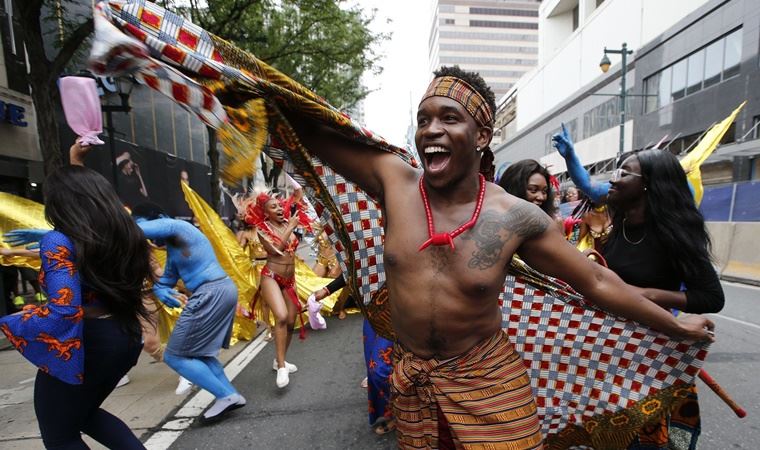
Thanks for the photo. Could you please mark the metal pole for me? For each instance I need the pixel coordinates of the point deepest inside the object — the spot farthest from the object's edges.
(112, 146)
(622, 99)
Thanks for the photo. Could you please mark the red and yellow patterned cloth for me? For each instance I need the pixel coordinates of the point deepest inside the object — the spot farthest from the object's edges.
(586, 386)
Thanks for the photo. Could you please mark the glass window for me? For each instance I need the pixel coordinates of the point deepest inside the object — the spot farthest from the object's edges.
(576, 21)
(679, 80)
(651, 87)
(695, 72)
(713, 62)
(182, 132)
(142, 112)
(733, 54)
(162, 107)
(664, 88)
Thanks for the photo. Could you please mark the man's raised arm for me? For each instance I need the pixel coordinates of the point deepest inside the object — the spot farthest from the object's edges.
(370, 168)
(549, 253)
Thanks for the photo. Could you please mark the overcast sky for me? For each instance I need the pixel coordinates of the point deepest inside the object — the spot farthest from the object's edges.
(405, 63)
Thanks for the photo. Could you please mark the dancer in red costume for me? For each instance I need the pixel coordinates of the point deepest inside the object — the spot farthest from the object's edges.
(275, 223)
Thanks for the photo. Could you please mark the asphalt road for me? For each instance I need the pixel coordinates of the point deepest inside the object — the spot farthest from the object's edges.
(324, 407)
(734, 362)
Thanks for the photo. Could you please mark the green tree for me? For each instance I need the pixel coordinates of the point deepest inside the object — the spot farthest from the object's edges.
(325, 45)
(71, 31)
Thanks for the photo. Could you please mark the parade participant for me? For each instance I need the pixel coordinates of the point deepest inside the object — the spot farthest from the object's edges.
(249, 241)
(529, 180)
(571, 195)
(88, 335)
(658, 241)
(443, 296)
(275, 225)
(205, 325)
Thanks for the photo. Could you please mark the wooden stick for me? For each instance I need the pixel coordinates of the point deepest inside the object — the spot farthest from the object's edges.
(710, 381)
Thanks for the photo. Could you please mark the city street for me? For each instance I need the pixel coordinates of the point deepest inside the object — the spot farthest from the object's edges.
(324, 407)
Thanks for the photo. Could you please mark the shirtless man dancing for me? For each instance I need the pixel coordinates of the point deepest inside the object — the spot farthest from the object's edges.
(449, 239)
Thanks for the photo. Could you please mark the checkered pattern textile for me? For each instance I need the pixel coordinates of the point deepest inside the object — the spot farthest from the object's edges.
(114, 52)
(584, 364)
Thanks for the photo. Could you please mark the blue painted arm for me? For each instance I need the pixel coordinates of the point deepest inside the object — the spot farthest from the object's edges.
(24, 236)
(564, 145)
(158, 229)
(163, 289)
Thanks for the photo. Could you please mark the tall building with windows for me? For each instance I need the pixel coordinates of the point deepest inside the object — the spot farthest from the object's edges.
(692, 64)
(496, 38)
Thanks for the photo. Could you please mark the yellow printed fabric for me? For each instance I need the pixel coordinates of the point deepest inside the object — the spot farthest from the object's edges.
(703, 150)
(15, 213)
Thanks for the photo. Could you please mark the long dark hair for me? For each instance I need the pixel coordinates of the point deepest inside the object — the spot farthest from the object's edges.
(515, 181)
(670, 213)
(112, 255)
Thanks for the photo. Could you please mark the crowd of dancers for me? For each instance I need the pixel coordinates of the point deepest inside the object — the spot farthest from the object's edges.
(450, 377)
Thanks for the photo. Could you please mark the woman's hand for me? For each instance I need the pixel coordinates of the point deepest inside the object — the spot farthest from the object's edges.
(77, 153)
(319, 294)
(293, 221)
(696, 328)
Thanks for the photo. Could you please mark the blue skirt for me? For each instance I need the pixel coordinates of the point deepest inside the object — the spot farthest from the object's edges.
(205, 325)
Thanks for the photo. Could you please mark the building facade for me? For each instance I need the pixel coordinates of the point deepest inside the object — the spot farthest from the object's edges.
(569, 87)
(148, 149)
(496, 38)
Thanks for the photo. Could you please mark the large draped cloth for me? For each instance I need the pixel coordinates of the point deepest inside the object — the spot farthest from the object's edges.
(597, 378)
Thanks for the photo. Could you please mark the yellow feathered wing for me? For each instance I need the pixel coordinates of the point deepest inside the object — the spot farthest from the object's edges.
(703, 150)
(15, 213)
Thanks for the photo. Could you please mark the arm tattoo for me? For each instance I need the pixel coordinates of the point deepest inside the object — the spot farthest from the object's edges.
(494, 230)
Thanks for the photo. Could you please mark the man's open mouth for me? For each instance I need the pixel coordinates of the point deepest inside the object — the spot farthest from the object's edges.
(437, 158)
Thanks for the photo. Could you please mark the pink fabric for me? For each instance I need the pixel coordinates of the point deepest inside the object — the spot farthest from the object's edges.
(316, 320)
(81, 105)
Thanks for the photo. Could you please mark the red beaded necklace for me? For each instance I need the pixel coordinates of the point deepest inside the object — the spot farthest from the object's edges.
(448, 238)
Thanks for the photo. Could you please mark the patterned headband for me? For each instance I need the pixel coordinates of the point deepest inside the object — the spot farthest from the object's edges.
(464, 94)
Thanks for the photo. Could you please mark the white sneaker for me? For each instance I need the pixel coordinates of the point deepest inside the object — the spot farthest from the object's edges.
(184, 386)
(124, 380)
(292, 368)
(282, 377)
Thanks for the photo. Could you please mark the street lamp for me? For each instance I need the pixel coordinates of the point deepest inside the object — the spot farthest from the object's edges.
(604, 64)
(123, 87)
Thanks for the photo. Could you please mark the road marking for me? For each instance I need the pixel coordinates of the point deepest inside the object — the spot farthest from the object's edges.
(28, 380)
(741, 285)
(737, 321)
(175, 426)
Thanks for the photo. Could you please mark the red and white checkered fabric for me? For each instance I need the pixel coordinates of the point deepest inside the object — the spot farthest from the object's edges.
(582, 361)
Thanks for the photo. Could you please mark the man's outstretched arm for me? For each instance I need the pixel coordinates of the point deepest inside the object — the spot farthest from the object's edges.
(370, 168)
(549, 253)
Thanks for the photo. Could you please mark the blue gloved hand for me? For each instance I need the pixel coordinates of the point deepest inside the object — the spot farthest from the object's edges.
(580, 176)
(24, 236)
(564, 143)
(167, 295)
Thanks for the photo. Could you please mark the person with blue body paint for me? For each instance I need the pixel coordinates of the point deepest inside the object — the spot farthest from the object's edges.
(205, 325)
